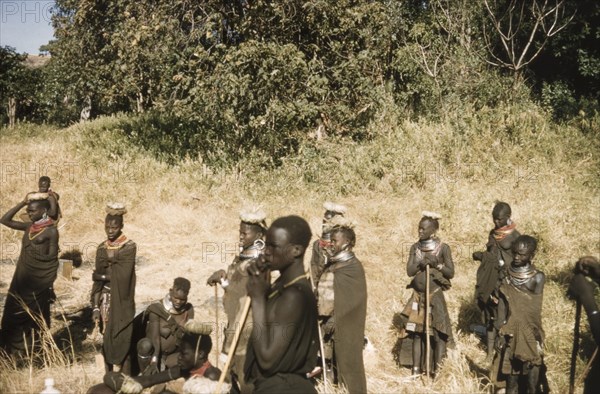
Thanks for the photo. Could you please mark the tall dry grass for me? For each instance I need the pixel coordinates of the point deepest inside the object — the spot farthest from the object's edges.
(184, 219)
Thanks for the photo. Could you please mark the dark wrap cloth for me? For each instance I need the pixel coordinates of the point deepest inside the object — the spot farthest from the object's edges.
(119, 330)
(524, 325)
(350, 312)
(32, 285)
(234, 299)
(490, 272)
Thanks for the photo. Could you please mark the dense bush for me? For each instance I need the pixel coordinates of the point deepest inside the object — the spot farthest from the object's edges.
(223, 78)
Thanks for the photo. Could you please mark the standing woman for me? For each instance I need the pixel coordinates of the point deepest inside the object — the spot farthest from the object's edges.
(429, 251)
(30, 293)
(492, 270)
(114, 290)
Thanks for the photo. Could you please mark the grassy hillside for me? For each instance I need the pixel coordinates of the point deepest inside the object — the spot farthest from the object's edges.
(184, 219)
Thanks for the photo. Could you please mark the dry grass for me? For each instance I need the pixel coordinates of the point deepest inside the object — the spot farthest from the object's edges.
(549, 175)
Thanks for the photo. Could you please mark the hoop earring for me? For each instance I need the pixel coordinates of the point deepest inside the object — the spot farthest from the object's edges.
(260, 244)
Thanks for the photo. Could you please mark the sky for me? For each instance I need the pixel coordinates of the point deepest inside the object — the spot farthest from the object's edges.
(25, 24)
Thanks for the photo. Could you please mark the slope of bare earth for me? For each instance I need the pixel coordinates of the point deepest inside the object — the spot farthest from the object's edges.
(184, 219)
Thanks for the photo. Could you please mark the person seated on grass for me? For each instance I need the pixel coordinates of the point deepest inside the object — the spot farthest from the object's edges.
(582, 290)
(492, 269)
(519, 363)
(166, 319)
(27, 305)
(193, 373)
(234, 281)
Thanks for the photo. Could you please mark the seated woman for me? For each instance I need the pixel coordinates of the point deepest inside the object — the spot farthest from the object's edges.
(192, 374)
(165, 327)
(428, 251)
(30, 294)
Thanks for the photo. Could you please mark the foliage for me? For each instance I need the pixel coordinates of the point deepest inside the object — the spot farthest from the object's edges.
(223, 79)
(21, 84)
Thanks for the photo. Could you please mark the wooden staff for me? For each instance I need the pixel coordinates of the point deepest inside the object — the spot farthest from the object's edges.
(217, 323)
(234, 343)
(321, 346)
(588, 366)
(575, 350)
(427, 344)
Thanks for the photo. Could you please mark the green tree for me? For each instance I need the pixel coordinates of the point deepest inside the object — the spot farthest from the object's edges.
(20, 87)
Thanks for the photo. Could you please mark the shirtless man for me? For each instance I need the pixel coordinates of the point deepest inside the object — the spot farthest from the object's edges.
(284, 341)
(582, 290)
(521, 336)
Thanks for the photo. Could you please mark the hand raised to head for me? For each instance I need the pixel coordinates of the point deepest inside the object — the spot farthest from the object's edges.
(588, 266)
(258, 284)
(581, 289)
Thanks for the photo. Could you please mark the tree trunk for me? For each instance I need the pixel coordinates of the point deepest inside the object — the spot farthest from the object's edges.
(12, 112)
(140, 102)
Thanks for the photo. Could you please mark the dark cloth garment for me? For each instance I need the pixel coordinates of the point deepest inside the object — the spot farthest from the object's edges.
(301, 355)
(414, 311)
(233, 303)
(120, 264)
(592, 380)
(317, 261)
(31, 285)
(502, 249)
(284, 383)
(492, 269)
(438, 282)
(350, 312)
(440, 318)
(524, 325)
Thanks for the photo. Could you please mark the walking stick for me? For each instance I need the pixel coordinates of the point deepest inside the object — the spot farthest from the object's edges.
(575, 350)
(427, 344)
(588, 366)
(234, 343)
(217, 323)
(321, 346)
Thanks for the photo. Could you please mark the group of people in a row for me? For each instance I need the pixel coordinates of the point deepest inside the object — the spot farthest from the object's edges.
(288, 324)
